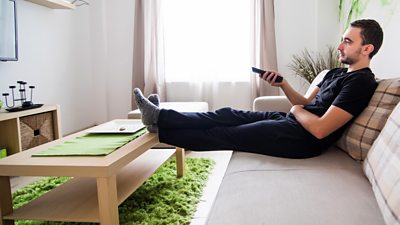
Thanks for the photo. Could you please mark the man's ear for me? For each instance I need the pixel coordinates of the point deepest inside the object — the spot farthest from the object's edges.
(368, 49)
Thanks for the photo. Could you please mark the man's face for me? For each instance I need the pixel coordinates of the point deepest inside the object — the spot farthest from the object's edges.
(351, 47)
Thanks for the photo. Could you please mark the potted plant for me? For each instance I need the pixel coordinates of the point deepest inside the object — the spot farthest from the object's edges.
(308, 65)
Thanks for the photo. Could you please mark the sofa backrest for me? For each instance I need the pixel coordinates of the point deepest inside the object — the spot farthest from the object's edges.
(383, 171)
(316, 81)
(361, 134)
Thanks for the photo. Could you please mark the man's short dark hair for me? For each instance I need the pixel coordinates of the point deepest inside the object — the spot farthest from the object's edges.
(371, 33)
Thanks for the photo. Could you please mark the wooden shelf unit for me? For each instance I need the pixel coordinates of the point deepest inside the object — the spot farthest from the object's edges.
(54, 4)
(11, 134)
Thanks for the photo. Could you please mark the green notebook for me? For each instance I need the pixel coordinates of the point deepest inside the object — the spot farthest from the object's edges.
(91, 145)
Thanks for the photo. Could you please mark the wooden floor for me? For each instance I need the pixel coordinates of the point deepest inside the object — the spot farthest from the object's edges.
(210, 191)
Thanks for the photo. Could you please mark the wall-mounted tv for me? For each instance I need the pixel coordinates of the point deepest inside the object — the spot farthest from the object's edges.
(8, 31)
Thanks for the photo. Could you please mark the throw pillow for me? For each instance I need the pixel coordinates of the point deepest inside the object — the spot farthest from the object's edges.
(361, 134)
(382, 167)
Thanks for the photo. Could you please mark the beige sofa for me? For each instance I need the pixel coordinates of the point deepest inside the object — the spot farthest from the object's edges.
(337, 187)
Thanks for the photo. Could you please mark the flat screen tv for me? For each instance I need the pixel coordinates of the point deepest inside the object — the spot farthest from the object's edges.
(8, 31)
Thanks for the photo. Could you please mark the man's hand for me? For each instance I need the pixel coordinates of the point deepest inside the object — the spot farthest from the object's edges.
(321, 127)
(294, 97)
(270, 77)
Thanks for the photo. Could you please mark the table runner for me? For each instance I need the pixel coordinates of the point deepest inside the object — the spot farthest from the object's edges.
(91, 145)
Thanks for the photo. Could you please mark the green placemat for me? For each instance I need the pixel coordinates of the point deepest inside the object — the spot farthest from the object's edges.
(90, 145)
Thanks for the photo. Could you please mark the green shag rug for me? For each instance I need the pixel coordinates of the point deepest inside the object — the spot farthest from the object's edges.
(162, 199)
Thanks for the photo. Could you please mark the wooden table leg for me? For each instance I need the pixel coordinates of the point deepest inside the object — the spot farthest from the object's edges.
(108, 200)
(5, 200)
(180, 162)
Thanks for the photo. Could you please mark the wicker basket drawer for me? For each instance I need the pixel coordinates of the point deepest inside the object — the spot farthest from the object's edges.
(36, 130)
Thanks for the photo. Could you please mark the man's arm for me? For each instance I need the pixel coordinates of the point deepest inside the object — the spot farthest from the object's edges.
(320, 127)
(294, 97)
(323, 126)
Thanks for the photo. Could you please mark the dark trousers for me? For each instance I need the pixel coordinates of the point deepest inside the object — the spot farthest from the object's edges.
(268, 133)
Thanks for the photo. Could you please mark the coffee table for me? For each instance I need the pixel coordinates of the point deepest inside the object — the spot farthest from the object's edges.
(99, 185)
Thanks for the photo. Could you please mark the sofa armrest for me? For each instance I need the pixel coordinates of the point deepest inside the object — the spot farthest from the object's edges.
(272, 103)
(281, 103)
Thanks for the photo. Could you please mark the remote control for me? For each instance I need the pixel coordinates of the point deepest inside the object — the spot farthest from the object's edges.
(260, 71)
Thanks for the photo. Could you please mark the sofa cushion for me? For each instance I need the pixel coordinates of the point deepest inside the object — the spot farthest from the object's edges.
(333, 158)
(329, 189)
(382, 167)
(360, 135)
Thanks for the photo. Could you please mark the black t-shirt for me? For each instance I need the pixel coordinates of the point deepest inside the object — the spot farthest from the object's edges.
(349, 91)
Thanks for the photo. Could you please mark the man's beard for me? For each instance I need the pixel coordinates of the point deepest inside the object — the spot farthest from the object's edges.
(347, 61)
(350, 60)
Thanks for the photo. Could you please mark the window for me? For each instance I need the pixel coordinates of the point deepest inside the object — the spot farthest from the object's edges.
(207, 40)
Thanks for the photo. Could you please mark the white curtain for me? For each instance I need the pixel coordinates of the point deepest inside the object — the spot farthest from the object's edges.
(182, 76)
(264, 45)
(216, 94)
(148, 49)
(208, 52)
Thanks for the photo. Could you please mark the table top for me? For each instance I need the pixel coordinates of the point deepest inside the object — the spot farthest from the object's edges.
(23, 164)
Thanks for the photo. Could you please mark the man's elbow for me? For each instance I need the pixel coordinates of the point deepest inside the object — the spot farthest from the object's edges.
(319, 133)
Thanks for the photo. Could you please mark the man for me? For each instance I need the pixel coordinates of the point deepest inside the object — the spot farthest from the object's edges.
(313, 124)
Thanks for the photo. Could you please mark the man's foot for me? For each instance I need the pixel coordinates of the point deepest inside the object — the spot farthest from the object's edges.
(152, 128)
(155, 99)
(148, 110)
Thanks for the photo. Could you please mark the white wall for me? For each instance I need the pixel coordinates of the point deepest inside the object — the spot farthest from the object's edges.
(79, 59)
(112, 55)
(314, 24)
(311, 24)
(54, 55)
(386, 63)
